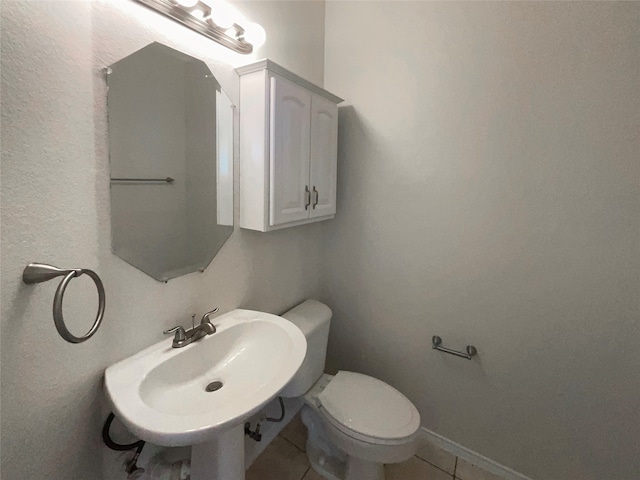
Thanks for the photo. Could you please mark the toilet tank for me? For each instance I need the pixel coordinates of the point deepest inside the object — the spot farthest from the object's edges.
(314, 319)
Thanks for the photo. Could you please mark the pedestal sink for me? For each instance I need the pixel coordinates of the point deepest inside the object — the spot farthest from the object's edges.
(201, 394)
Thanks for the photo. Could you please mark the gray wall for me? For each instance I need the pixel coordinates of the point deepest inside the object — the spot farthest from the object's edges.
(488, 193)
(55, 208)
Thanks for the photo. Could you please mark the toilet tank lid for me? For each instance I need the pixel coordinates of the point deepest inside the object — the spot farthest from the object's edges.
(309, 315)
(369, 406)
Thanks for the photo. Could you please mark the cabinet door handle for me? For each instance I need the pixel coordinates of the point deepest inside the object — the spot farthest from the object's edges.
(315, 202)
(307, 196)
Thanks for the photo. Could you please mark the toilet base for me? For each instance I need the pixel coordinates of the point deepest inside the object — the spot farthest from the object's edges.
(358, 469)
(351, 469)
(326, 460)
(329, 461)
(326, 467)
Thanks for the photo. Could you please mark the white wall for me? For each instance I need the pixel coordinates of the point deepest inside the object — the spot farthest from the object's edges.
(488, 193)
(55, 208)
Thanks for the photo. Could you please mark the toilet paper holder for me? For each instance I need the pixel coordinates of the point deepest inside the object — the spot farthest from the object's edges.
(436, 344)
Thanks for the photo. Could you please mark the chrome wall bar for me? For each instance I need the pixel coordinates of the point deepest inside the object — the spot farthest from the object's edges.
(41, 272)
(142, 180)
(436, 344)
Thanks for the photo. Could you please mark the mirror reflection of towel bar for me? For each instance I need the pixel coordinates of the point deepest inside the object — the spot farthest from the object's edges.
(436, 344)
(165, 180)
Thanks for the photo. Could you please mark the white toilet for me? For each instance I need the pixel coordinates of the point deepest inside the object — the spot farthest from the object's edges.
(355, 423)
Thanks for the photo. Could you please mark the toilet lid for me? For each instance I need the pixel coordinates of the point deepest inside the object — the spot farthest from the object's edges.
(369, 407)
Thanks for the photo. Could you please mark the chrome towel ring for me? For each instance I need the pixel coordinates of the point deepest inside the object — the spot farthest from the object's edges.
(41, 272)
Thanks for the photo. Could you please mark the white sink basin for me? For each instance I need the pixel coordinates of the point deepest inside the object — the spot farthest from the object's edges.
(160, 393)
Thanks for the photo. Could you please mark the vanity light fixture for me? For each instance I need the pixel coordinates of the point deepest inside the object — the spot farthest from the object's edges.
(214, 19)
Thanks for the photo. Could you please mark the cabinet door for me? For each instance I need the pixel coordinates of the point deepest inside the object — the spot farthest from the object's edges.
(324, 156)
(289, 152)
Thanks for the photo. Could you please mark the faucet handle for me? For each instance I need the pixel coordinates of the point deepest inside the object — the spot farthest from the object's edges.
(180, 334)
(205, 317)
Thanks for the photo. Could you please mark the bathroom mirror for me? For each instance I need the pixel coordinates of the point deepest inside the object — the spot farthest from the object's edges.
(171, 153)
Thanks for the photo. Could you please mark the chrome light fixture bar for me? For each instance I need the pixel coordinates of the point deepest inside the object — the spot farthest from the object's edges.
(198, 18)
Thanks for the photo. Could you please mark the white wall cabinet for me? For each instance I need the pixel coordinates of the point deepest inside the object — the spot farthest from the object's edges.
(288, 149)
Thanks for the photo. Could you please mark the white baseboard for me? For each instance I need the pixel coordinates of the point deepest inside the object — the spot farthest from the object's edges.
(471, 456)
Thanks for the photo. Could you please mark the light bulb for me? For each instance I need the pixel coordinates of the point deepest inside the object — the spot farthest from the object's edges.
(187, 3)
(199, 14)
(255, 35)
(223, 15)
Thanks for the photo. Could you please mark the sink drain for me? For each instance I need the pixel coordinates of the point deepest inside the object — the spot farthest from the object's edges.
(213, 386)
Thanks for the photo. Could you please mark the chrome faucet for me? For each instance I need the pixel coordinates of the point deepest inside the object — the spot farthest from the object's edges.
(184, 337)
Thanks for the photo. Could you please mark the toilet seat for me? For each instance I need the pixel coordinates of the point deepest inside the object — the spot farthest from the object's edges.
(368, 409)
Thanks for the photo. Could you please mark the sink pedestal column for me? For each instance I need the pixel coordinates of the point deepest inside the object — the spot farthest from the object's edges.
(221, 458)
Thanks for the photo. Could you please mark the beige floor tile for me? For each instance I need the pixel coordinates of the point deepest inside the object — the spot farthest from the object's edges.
(280, 461)
(436, 456)
(296, 432)
(415, 469)
(469, 471)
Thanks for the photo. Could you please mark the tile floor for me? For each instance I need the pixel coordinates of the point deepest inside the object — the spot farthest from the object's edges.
(285, 459)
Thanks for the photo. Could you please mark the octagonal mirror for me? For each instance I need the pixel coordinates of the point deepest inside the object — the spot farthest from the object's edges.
(171, 154)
